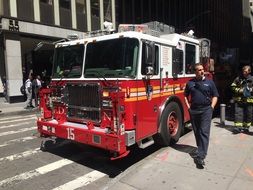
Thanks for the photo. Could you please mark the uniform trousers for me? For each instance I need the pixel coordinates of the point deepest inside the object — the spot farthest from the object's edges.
(243, 114)
(29, 99)
(201, 124)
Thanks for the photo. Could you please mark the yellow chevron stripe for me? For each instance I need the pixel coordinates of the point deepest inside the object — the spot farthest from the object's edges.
(143, 89)
(138, 98)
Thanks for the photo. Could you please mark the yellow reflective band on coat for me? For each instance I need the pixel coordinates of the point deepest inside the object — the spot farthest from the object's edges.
(246, 124)
(238, 124)
(249, 100)
(238, 99)
(245, 100)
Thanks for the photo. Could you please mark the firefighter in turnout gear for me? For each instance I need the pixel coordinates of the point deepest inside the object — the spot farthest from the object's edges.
(242, 88)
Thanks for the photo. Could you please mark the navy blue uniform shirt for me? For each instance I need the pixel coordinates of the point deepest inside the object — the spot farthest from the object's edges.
(201, 92)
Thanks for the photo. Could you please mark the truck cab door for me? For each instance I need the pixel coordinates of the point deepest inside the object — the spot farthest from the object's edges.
(148, 92)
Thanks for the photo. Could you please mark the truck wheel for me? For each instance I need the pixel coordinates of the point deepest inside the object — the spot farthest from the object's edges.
(171, 124)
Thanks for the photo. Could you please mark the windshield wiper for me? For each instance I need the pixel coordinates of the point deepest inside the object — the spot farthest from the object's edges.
(100, 75)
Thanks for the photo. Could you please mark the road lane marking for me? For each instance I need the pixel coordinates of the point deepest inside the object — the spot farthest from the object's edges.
(20, 155)
(81, 181)
(40, 171)
(16, 117)
(15, 125)
(13, 141)
(17, 131)
(16, 120)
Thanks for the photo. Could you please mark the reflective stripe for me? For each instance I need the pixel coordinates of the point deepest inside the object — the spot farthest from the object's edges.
(249, 100)
(238, 99)
(246, 100)
(238, 124)
(247, 124)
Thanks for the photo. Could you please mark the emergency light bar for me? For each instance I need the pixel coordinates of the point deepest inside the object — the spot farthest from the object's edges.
(133, 27)
(153, 28)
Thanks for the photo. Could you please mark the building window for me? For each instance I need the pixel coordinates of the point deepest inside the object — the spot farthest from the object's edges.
(25, 10)
(95, 17)
(6, 8)
(64, 4)
(50, 2)
(81, 15)
(47, 12)
(65, 13)
(108, 10)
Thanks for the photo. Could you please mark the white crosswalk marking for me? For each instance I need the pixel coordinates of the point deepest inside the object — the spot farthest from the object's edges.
(17, 141)
(18, 125)
(15, 125)
(20, 155)
(16, 120)
(16, 117)
(81, 181)
(40, 171)
(17, 131)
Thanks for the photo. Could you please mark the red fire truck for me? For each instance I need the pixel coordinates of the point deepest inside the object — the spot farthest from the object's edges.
(113, 91)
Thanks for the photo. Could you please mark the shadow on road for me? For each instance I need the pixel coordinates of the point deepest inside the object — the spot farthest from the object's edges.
(98, 159)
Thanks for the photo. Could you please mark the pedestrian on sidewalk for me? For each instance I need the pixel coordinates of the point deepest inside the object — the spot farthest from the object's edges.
(37, 86)
(3, 79)
(201, 96)
(28, 91)
(242, 88)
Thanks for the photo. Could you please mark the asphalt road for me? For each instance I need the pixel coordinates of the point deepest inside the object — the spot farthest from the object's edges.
(64, 165)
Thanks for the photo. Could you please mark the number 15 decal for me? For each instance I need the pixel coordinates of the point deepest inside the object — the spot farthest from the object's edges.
(71, 134)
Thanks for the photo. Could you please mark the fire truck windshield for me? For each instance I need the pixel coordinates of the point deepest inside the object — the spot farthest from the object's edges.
(68, 61)
(115, 58)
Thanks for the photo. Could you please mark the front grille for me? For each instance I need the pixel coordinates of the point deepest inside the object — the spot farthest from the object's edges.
(83, 102)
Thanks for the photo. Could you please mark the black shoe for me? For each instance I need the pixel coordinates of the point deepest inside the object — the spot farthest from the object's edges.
(199, 163)
(246, 130)
(236, 130)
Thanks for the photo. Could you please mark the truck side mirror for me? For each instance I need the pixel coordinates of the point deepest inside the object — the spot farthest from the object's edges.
(149, 70)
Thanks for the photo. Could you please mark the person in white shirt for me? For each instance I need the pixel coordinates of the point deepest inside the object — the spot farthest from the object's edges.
(37, 86)
(28, 91)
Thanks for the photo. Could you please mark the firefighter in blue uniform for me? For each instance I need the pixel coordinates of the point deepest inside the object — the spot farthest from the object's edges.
(242, 88)
(201, 96)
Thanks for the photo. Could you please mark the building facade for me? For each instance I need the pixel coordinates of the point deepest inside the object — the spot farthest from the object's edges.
(225, 22)
(25, 23)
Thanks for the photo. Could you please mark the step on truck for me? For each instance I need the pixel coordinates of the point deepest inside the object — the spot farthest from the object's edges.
(116, 90)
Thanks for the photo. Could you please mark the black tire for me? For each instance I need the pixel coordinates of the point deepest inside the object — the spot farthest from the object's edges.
(171, 125)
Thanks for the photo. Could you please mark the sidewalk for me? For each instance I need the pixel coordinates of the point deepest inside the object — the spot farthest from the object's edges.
(14, 108)
(229, 165)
